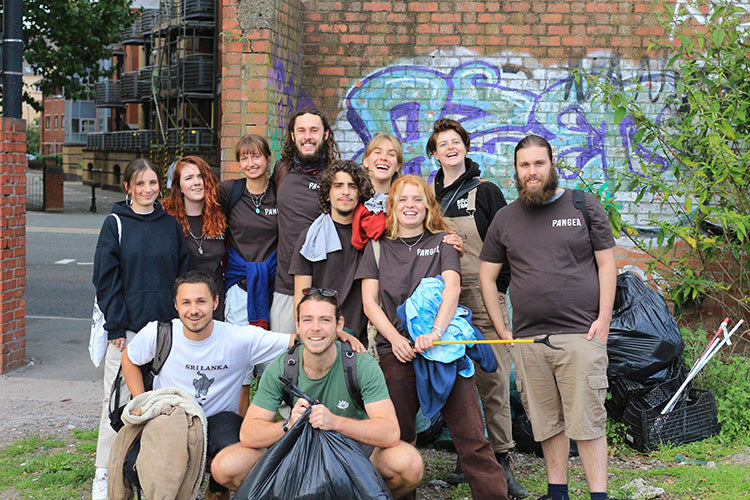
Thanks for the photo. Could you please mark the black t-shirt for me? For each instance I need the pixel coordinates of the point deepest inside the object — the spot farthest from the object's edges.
(297, 199)
(400, 270)
(253, 234)
(555, 282)
(210, 261)
(337, 272)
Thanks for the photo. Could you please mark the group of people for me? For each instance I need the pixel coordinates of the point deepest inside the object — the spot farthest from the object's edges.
(324, 251)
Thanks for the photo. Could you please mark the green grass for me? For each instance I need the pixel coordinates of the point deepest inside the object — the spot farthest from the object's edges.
(48, 468)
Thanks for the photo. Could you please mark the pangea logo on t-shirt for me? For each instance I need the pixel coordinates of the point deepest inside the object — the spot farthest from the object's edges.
(427, 252)
(313, 185)
(566, 222)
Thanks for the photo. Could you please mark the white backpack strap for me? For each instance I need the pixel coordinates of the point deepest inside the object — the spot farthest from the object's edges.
(119, 228)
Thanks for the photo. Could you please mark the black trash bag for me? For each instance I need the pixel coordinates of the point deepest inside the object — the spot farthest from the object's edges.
(309, 463)
(644, 338)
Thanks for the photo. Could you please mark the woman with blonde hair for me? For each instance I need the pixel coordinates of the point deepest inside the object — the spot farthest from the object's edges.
(414, 248)
(194, 201)
(383, 159)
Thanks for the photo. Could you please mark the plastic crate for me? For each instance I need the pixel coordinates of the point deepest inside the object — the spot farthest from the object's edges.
(690, 421)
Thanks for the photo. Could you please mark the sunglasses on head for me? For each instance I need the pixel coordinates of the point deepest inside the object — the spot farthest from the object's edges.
(325, 292)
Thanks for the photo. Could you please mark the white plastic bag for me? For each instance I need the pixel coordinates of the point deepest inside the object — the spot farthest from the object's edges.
(98, 336)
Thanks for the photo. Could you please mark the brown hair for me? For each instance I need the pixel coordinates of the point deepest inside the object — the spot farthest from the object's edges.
(433, 221)
(136, 168)
(331, 148)
(443, 125)
(530, 141)
(251, 143)
(359, 176)
(214, 222)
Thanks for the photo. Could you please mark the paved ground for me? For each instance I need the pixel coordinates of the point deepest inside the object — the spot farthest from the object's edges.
(59, 388)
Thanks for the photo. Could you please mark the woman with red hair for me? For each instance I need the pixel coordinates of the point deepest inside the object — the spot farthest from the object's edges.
(194, 202)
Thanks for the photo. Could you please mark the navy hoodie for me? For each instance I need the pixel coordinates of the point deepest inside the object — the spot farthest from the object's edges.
(134, 277)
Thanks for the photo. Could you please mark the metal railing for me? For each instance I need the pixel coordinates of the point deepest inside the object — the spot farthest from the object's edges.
(108, 93)
(34, 190)
(143, 140)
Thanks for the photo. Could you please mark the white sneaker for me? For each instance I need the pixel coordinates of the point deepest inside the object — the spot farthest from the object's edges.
(99, 488)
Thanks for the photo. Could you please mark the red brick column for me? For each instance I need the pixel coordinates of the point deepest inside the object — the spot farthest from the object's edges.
(53, 187)
(12, 244)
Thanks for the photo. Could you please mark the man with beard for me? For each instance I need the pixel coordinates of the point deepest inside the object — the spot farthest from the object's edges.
(324, 256)
(309, 147)
(563, 280)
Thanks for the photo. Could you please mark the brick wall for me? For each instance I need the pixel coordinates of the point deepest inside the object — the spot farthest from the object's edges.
(261, 54)
(12, 244)
(504, 69)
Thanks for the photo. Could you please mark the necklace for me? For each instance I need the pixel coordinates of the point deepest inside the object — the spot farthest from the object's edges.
(198, 241)
(413, 244)
(256, 200)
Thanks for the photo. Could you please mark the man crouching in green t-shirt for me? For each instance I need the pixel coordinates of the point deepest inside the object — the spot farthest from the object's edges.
(322, 376)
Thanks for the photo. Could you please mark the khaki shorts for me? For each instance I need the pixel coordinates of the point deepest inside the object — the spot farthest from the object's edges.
(564, 390)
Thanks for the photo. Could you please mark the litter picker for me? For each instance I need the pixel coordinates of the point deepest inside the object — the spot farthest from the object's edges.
(711, 350)
(544, 340)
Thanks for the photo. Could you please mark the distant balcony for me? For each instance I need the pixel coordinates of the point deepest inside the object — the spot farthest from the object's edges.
(191, 139)
(132, 34)
(129, 87)
(147, 21)
(127, 140)
(198, 73)
(198, 9)
(108, 94)
(144, 83)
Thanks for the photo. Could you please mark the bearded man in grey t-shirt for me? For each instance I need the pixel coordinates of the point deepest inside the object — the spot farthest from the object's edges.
(309, 148)
(563, 281)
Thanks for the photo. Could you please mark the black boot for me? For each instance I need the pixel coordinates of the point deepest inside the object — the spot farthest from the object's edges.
(515, 490)
(457, 476)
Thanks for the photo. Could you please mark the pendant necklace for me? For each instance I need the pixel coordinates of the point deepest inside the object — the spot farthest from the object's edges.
(198, 241)
(257, 200)
(413, 244)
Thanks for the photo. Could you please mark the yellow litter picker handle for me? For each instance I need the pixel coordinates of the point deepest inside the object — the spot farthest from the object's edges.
(544, 340)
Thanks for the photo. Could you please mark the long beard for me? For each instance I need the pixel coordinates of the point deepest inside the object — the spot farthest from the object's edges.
(536, 198)
(313, 159)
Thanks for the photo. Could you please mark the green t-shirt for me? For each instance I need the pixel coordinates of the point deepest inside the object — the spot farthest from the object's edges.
(330, 390)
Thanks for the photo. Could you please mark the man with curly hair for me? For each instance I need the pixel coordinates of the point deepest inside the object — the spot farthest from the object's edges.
(309, 147)
(324, 256)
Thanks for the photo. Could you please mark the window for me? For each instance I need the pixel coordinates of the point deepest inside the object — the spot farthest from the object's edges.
(46, 122)
(75, 127)
(56, 122)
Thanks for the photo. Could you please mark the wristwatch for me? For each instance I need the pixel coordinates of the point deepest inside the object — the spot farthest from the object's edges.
(285, 425)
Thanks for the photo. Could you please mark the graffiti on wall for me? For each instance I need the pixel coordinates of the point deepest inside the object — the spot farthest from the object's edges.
(687, 10)
(500, 103)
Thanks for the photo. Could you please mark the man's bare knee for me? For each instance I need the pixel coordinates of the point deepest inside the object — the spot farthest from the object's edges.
(232, 464)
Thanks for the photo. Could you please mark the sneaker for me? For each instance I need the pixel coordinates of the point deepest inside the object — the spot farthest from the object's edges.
(99, 488)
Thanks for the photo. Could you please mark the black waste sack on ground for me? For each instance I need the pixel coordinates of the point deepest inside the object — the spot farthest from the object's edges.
(309, 463)
(644, 338)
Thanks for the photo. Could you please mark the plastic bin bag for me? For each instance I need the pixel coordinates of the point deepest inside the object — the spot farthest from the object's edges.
(309, 463)
(644, 339)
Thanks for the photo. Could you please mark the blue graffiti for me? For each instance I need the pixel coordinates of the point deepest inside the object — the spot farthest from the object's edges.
(498, 110)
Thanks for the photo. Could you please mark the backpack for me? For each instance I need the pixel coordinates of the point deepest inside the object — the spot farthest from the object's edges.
(348, 361)
(579, 201)
(149, 371)
(238, 187)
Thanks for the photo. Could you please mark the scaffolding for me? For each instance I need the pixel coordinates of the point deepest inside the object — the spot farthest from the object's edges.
(174, 84)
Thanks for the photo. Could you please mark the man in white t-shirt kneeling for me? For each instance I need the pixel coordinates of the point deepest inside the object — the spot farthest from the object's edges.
(208, 359)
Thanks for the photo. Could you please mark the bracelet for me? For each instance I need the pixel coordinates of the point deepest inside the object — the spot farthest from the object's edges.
(437, 329)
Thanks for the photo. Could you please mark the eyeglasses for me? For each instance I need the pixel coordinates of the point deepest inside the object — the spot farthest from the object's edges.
(325, 292)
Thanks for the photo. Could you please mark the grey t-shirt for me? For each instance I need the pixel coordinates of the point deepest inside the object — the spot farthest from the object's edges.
(297, 199)
(554, 283)
(400, 271)
(252, 234)
(337, 271)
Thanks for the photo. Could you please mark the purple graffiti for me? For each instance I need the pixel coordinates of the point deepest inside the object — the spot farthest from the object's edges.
(405, 100)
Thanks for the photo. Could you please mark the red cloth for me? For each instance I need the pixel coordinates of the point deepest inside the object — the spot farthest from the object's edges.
(261, 323)
(366, 226)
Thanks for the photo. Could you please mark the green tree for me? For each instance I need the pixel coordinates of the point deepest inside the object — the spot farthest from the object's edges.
(702, 248)
(66, 40)
(32, 137)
